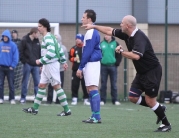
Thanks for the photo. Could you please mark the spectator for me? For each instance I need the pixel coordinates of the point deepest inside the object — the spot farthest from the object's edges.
(9, 56)
(18, 69)
(50, 88)
(75, 56)
(109, 63)
(30, 51)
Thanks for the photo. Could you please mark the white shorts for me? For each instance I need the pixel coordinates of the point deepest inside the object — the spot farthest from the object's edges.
(91, 73)
(51, 74)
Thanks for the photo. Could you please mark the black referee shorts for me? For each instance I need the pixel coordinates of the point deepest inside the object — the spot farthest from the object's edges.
(149, 82)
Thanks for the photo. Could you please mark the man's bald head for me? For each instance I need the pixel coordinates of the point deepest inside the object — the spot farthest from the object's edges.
(130, 20)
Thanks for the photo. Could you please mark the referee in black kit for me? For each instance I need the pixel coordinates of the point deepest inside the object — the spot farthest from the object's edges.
(149, 70)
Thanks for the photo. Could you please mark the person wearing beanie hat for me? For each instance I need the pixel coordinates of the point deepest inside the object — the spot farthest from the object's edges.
(80, 36)
(75, 55)
(19, 67)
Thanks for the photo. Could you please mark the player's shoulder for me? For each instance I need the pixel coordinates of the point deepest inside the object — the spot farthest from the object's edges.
(90, 33)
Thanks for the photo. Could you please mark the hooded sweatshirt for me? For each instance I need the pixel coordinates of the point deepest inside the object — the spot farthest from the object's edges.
(9, 54)
(59, 39)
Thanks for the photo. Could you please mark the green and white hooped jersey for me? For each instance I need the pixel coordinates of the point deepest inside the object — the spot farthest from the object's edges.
(49, 50)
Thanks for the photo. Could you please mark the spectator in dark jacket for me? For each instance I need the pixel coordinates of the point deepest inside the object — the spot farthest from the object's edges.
(18, 69)
(9, 56)
(30, 51)
(75, 56)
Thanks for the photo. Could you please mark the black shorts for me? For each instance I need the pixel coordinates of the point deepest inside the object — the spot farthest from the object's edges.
(149, 82)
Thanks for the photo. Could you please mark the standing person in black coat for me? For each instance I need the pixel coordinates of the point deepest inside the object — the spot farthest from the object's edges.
(75, 56)
(18, 69)
(30, 51)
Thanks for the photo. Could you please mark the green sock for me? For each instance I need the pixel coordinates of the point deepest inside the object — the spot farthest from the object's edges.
(62, 98)
(38, 98)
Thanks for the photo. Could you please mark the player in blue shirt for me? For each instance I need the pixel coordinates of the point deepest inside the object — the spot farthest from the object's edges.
(90, 65)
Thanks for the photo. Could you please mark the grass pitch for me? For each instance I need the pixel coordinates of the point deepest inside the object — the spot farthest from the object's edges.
(125, 121)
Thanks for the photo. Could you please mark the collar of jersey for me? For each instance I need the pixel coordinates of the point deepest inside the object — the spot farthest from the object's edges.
(133, 33)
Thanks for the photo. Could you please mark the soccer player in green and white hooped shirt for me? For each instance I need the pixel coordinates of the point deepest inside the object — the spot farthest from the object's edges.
(52, 54)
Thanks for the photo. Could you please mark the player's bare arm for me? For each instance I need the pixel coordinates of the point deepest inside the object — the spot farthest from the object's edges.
(129, 55)
(102, 29)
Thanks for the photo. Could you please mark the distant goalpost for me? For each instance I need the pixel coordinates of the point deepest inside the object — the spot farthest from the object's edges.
(7, 25)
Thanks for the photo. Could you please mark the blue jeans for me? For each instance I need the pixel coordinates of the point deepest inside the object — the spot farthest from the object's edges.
(112, 72)
(35, 71)
(5, 71)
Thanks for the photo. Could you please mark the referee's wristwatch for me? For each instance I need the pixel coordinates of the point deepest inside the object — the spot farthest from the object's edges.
(121, 50)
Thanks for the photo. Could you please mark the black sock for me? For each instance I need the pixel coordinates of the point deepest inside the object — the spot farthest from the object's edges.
(143, 102)
(160, 113)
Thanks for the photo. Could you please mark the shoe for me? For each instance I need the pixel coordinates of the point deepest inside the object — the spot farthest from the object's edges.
(163, 128)
(101, 103)
(86, 102)
(64, 113)
(117, 103)
(74, 101)
(30, 110)
(1, 101)
(48, 102)
(13, 102)
(93, 121)
(86, 120)
(164, 109)
(22, 101)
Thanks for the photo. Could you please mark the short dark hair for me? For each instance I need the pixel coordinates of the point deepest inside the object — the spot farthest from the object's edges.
(91, 14)
(33, 30)
(45, 23)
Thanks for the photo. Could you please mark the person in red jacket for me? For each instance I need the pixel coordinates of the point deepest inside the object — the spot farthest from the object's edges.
(75, 57)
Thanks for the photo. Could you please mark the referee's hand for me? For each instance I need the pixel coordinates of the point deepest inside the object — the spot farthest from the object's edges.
(118, 49)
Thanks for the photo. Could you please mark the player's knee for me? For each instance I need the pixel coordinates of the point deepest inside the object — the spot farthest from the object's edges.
(133, 99)
(134, 95)
(42, 86)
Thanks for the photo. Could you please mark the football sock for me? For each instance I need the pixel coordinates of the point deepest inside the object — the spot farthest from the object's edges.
(142, 101)
(160, 113)
(38, 99)
(62, 98)
(95, 101)
(91, 107)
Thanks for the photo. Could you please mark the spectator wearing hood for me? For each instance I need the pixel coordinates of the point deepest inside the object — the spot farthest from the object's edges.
(109, 63)
(9, 56)
(50, 88)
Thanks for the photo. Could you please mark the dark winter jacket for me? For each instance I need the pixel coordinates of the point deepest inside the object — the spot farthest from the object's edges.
(30, 50)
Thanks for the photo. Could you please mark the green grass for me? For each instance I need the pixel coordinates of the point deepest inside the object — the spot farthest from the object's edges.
(125, 121)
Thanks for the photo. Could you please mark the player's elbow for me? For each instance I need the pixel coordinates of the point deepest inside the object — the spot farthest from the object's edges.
(136, 57)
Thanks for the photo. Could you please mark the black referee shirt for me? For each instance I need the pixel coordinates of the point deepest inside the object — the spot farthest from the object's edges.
(139, 44)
